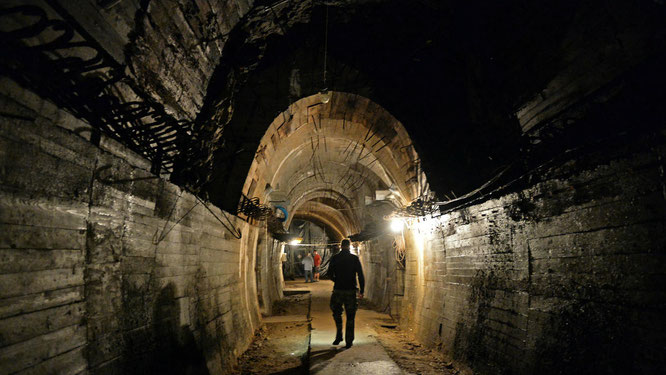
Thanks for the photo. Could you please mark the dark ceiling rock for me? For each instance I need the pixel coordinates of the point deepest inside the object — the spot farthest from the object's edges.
(454, 73)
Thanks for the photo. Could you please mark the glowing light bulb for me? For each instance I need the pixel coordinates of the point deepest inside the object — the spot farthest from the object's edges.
(325, 96)
(396, 225)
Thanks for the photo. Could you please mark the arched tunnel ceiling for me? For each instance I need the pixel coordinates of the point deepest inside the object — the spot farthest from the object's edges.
(413, 58)
(319, 216)
(453, 72)
(322, 161)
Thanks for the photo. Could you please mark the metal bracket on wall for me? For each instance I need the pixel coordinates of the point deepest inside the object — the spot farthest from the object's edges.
(157, 239)
(58, 60)
(111, 181)
(229, 226)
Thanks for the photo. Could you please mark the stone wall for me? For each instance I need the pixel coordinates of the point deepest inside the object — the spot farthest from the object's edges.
(171, 46)
(269, 272)
(105, 268)
(380, 270)
(562, 276)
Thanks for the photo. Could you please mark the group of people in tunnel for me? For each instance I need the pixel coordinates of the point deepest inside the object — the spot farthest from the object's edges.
(311, 264)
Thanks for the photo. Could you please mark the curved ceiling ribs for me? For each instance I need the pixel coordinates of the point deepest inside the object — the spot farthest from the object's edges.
(325, 159)
(454, 76)
(312, 200)
(412, 58)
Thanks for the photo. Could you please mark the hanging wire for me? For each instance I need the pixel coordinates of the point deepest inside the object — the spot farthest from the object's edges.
(162, 236)
(325, 45)
(229, 226)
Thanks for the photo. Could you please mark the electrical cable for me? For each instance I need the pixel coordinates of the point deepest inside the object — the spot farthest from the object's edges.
(325, 46)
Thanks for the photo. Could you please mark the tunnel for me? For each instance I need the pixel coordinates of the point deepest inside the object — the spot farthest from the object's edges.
(498, 167)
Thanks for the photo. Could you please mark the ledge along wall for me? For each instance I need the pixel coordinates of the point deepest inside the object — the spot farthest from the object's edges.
(563, 276)
(105, 268)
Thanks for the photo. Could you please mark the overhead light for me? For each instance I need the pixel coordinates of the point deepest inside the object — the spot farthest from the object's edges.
(325, 96)
(296, 241)
(396, 225)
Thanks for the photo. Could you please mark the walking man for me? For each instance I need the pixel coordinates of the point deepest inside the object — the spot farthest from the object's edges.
(308, 263)
(317, 264)
(343, 269)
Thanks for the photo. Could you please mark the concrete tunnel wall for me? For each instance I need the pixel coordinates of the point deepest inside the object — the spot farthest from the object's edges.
(107, 269)
(514, 282)
(562, 276)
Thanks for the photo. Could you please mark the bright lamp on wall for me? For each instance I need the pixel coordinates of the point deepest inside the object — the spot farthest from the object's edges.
(325, 96)
(396, 225)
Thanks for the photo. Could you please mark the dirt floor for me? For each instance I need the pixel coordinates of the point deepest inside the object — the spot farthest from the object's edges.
(280, 348)
(283, 347)
(292, 304)
(411, 356)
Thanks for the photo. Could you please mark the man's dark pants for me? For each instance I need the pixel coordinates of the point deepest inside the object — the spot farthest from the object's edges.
(346, 298)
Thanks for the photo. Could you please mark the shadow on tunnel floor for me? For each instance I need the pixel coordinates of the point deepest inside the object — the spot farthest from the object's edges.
(319, 358)
(281, 347)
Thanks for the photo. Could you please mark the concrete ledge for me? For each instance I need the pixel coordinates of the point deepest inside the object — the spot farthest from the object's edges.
(286, 319)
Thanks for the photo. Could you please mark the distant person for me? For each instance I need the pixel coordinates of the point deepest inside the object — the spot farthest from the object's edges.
(308, 263)
(317, 264)
(343, 269)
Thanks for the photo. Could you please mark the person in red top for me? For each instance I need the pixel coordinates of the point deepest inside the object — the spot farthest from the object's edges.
(317, 263)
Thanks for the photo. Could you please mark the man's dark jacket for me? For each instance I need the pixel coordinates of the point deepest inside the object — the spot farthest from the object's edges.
(343, 269)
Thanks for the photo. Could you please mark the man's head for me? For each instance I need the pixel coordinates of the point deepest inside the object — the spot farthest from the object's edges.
(345, 244)
(315, 252)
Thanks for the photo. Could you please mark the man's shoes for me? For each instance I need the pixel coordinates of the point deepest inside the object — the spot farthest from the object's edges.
(349, 345)
(337, 341)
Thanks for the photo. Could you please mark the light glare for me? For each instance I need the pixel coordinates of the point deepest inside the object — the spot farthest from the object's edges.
(396, 225)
